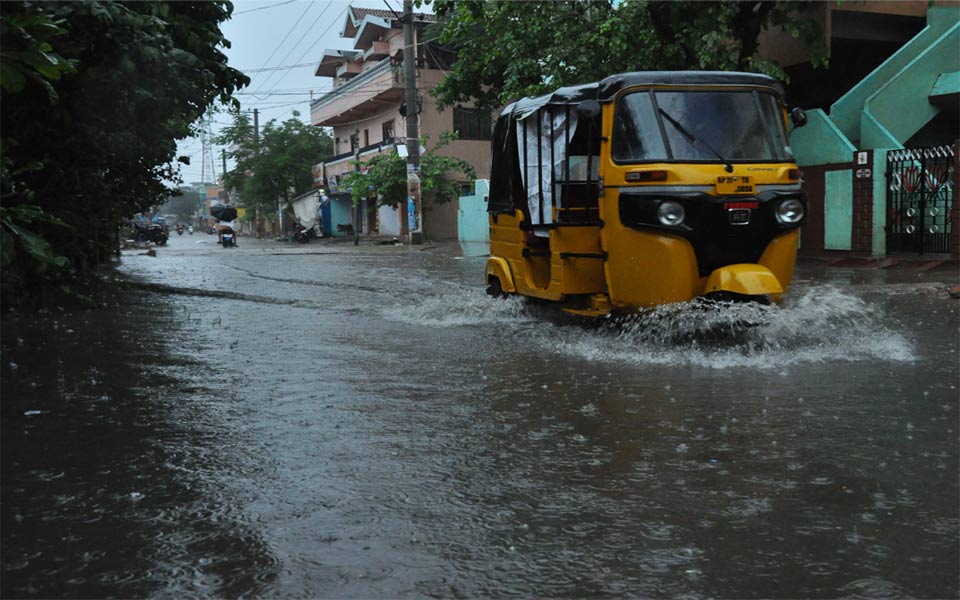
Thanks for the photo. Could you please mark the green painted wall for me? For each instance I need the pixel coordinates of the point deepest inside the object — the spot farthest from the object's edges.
(901, 107)
(819, 142)
(947, 83)
(845, 112)
(473, 222)
(838, 210)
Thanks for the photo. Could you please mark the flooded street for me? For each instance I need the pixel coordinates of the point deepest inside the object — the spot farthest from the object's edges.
(329, 421)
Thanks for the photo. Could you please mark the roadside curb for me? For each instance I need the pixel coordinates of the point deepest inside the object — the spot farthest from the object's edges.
(919, 263)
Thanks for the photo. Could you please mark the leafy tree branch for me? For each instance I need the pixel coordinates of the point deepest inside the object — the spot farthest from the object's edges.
(386, 175)
(509, 50)
(95, 96)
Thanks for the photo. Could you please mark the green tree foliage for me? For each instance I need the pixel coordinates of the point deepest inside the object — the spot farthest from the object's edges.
(279, 166)
(512, 49)
(386, 174)
(95, 96)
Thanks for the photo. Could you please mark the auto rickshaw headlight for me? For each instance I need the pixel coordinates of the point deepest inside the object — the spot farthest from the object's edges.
(790, 211)
(671, 213)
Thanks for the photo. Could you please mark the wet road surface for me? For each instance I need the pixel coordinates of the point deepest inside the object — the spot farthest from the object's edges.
(329, 421)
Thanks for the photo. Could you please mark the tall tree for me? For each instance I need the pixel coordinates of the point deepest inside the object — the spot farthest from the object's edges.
(512, 49)
(279, 166)
(95, 96)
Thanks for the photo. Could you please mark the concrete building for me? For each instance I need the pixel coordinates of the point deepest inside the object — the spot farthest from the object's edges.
(363, 108)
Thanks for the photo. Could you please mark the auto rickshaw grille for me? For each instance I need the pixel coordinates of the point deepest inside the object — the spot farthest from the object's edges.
(716, 241)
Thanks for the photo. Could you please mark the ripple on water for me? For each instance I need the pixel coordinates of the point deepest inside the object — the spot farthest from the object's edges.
(667, 560)
(658, 530)
(873, 589)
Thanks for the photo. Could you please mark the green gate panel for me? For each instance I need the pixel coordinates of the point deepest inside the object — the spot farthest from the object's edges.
(838, 210)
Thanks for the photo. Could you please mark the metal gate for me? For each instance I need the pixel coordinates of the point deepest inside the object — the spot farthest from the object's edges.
(920, 195)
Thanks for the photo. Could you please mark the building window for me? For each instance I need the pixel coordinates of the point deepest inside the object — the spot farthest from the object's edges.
(471, 123)
(366, 138)
(336, 146)
(388, 131)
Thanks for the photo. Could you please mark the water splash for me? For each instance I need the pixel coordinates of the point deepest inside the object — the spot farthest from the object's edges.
(460, 306)
(821, 323)
(816, 324)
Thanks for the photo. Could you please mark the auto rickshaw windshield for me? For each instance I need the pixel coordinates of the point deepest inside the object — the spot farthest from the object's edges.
(671, 125)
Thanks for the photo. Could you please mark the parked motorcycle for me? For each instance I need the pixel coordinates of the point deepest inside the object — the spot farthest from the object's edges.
(151, 232)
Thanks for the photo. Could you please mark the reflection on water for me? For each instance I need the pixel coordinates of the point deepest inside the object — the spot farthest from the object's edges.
(387, 430)
(112, 464)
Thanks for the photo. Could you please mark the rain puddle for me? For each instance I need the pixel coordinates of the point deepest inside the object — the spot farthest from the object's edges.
(816, 324)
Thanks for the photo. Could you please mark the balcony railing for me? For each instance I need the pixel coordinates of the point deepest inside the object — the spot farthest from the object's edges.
(353, 85)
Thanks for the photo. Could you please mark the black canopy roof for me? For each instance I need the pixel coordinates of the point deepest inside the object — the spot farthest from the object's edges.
(613, 84)
(605, 89)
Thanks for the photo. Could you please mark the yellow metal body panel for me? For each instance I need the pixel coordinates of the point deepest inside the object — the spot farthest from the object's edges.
(781, 256)
(646, 269)
(498, 267)
(549, 268)
(745, 279)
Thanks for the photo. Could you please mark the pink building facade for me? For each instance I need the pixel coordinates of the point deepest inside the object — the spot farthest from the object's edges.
(363, 109)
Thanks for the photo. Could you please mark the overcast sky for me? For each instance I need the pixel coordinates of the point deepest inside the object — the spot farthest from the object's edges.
(278, 44)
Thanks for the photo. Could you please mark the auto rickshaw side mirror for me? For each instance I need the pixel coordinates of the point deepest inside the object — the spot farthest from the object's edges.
(798, 117)
(588, 108)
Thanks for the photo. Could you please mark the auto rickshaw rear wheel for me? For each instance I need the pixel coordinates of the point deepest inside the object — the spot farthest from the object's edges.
(495, 289)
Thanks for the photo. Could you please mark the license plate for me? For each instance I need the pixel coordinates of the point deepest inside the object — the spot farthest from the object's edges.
(734, 184)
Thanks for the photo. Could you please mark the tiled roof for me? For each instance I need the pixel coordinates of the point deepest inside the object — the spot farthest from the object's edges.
(359, 13)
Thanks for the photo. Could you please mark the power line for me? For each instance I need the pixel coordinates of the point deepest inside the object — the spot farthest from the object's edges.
(319, 37)
(395, 13)
(312, 63)
(284, 40)
(278, 68)
(294, 47)
(242, 12)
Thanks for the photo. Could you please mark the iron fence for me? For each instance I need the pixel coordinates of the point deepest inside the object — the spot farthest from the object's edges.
(920, 196)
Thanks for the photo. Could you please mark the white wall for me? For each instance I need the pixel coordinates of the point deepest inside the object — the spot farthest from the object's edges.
(389, 221)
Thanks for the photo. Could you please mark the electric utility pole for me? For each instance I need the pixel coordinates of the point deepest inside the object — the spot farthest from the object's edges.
(413, 124)
(223, 158)
(256, 145)
(357, 207)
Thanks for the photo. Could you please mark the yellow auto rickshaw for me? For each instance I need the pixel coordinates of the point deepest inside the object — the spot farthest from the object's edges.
(643, 189)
